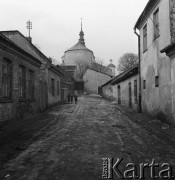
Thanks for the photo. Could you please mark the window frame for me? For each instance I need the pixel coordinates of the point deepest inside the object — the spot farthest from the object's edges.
(58, 88)
(31, 89)
(7, 88)
(156, 24)
(144, 84)
(135, 91)
(145, 38)
(156, 81)
(53, 86)
(22, 82)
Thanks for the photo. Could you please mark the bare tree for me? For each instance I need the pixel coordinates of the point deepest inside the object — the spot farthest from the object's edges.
(54, 61)
(82, 67)
(127, 61)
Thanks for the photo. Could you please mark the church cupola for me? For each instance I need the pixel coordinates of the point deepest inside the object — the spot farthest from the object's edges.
(81, 40)
(112, 67)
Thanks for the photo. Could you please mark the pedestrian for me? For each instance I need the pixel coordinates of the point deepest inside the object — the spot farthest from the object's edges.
(71, 97)
(68, 97)
(76, 97)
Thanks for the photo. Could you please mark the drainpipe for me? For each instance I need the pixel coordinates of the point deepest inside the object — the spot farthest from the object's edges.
(139, 71)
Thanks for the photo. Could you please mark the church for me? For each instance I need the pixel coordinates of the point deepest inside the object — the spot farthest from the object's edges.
(88, 74)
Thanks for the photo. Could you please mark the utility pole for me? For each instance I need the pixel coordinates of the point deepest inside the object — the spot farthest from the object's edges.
(29, 26)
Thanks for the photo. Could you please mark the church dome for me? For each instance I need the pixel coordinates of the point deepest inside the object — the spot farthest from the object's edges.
(111, 65)
(78, 46)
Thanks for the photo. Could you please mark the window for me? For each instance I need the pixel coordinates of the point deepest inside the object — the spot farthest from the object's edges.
(53, 86)
(31, 84)
(156, 23)
(145, 38)
(58, 88)
(22, 82)
(135, 91)
(156, 81)
(144, 84)
(6, 78)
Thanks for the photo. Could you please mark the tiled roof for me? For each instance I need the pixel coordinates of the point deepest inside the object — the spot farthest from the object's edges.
(102, 69)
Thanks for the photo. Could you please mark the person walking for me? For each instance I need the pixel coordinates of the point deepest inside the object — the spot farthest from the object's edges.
(76, 97)
(71, 97)
(68, 97)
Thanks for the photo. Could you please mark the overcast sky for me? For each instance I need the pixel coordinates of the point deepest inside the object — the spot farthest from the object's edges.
(107, 24)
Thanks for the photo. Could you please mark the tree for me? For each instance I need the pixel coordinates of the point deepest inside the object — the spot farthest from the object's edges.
(54, 61)
(127, 61)
(82, 67)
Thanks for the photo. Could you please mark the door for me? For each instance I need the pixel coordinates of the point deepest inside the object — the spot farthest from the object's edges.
(130, 95)
(119, 94)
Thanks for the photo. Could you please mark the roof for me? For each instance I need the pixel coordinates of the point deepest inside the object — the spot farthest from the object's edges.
(123, 76)
(16, 47)
(149, 6)
(102, 69)
(68, 73)
(26, 44)
(68, 68)
(78, 46)
(57, 69)
(111, 65)
(169, 50)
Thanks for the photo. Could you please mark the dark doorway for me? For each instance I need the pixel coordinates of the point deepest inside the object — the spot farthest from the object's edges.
(130, 96)
(119, 94)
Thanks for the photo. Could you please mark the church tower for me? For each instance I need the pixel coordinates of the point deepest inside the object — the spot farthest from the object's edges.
(81, 40)
(112, 67)
(79, 53)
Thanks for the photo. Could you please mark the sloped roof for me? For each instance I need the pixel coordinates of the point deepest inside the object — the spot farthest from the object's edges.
(20, 40)
(102, 69)
(16, 47)
(122, 76)
(145, 12)
(78, 46)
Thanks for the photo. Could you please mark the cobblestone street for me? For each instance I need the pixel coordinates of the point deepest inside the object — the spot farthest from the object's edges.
(79, 136)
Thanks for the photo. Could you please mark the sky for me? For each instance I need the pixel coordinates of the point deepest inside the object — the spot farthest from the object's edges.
(107, 25)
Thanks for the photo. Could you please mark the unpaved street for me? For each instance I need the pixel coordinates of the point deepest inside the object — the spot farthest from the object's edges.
(79, 136)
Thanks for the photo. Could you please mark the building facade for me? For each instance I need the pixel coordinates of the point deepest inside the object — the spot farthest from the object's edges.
(19, 81)
(123, 88)
(54, 85)
(156, 27)
(47, 71)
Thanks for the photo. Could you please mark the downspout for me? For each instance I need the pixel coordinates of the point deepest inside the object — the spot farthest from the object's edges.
(139, 72)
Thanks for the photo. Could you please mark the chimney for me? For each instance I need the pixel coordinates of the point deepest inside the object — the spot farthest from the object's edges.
(29, 39)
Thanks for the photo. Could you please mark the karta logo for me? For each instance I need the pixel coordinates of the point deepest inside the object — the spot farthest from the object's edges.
(113, 168)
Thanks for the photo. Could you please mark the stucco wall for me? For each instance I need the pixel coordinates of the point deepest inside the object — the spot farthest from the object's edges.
(53, 99)
(157, 101)
(124, 90)
(107, 90)
(93, 79)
